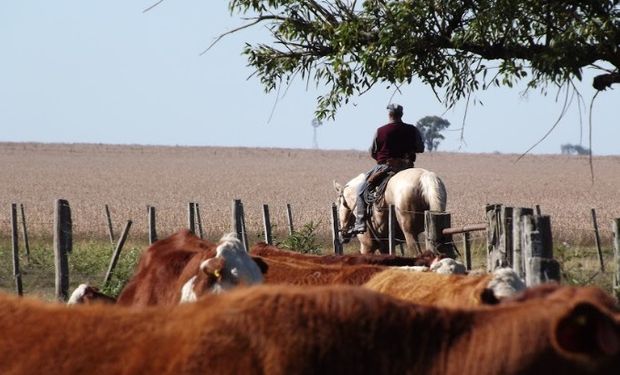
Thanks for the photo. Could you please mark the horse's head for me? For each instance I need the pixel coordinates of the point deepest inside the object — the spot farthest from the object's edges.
(345, 204)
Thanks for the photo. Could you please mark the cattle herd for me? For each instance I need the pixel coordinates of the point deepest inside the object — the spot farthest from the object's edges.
(196, 307)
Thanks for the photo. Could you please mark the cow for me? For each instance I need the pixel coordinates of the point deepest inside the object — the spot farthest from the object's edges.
(268, 251)
(447, 290)
(167, 269)
(308, 330)
(295, 272)
(85, 294)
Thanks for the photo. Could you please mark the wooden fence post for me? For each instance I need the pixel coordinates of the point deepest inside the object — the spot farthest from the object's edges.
(63, 243)
(117, 253)
(109, 221)
(267, 225)
(199, 221)
(238, 222)
(616, 229)
(467, 250)
(289, 216)
(337, 245)
(191, 218)
(517, 237)
(152, 224)
(25, 233)
(391, 229)
(537, 244)
(15, 245)
(538, 212)
(436, 241)
(506, 242)
(492, 215)
(597, 240)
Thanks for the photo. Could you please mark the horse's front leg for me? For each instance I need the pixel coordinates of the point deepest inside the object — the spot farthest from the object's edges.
(366, 243)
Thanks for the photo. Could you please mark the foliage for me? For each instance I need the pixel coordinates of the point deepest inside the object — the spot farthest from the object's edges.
(574, 149)
(456, 46)
(304, 240)
(431, 128)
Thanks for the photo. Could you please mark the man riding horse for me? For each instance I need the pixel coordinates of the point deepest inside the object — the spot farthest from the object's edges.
(394, 147)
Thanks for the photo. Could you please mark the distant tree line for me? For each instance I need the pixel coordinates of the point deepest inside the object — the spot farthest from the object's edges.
(568, 149)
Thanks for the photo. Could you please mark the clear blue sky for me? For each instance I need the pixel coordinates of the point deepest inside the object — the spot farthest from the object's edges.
(104, 72)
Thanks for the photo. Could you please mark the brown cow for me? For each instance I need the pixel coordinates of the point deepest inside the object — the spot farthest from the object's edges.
(447, 290)
(311, 330)
(168, 267)
(294, 272)
(268, 251)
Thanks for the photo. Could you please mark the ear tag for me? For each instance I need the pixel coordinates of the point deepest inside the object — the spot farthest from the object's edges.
(217, 274)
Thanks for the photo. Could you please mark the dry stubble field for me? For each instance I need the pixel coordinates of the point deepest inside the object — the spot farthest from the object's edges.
(128, 178)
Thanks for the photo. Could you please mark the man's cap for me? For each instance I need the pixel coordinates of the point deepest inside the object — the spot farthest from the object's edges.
(395, 108)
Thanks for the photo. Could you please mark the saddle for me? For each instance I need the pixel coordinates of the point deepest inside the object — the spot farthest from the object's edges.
(377, 182)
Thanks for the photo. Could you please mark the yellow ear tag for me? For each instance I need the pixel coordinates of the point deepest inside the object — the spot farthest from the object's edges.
(217, 274)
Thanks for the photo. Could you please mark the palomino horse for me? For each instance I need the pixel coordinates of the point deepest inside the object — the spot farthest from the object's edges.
(412, 191)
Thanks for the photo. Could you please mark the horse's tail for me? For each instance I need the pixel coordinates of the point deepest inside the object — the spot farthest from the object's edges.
(434, 191)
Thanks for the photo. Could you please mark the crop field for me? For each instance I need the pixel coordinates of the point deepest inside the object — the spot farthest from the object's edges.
(129, 178)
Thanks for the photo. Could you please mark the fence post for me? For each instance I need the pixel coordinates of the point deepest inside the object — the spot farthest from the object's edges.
(391, 229)
(517, 238)
(289, 216)
(506, 240)
(199, 221)
(537, 244)
(597, 240)
(337, 245)
(492, 215)
(63, 243)
(238, 222)
(616, 229)
(109, 221)
(436, 241)
(25, 233)
(117, 253)
(15, 245)
(191, 220)
(267, 225)
(152, 224)
(467, 250)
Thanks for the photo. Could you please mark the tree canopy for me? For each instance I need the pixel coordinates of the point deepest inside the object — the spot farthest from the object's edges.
(431, 128)
(455, 46)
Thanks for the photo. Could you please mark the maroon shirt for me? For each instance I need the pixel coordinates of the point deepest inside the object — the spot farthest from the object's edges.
(396, 140)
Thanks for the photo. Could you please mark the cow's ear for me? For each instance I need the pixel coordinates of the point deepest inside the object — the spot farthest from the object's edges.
(588, 330)
(213, 266)
(262, 265)
(337, 187)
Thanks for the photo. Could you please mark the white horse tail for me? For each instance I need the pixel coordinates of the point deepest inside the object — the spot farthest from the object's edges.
(434, 191)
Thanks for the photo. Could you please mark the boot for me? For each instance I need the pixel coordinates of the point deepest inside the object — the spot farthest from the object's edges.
(360, 217)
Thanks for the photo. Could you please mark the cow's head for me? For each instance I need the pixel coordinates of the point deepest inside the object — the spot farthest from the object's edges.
(231, 266)
(86, 294)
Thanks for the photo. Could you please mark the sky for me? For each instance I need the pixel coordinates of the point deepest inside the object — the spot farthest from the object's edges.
(106, 72)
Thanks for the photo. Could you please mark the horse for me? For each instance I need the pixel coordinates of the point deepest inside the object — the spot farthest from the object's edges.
(412, 191)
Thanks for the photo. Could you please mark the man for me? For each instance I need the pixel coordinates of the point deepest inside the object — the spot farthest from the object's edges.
(394, 147)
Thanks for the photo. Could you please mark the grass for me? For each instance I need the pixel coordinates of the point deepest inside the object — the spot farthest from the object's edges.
(88, 263)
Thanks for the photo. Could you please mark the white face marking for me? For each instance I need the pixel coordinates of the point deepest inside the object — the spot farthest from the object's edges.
(505, 282)
(238, 264)
(187, 292)
(77, 294)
